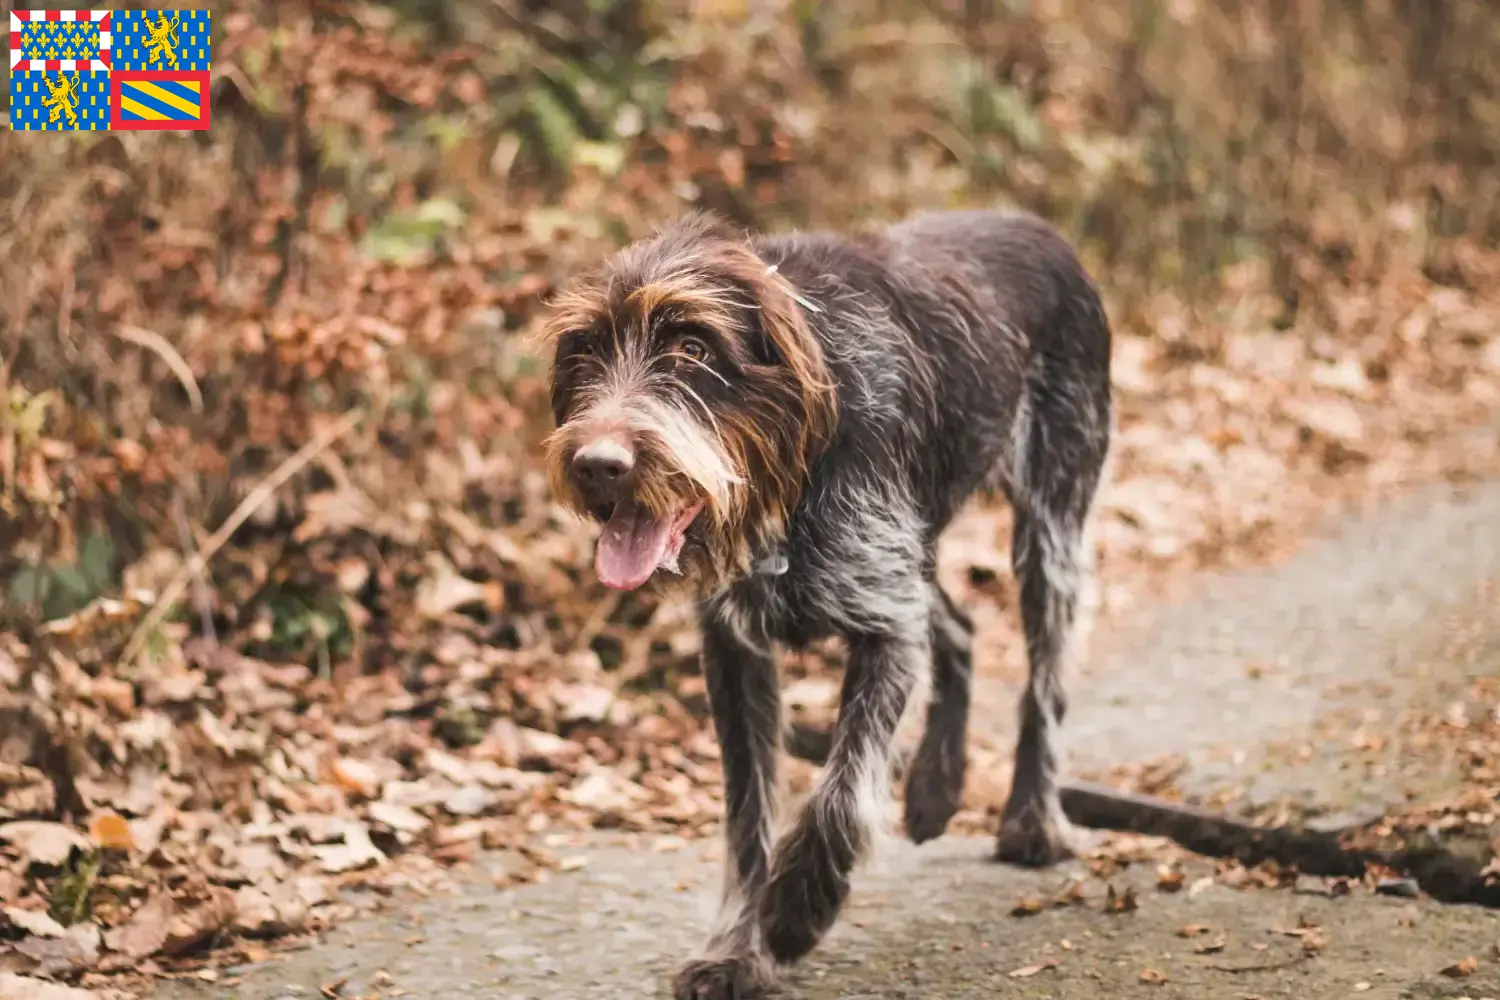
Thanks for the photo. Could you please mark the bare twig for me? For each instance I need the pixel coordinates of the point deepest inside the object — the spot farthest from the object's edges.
(201, 595)
(65, 316)
(263, 491)
(597, 620)
(158, 345)
(1266, 967)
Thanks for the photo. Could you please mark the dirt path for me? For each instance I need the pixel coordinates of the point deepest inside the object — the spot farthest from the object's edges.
(1361, 622)
(1358, 622)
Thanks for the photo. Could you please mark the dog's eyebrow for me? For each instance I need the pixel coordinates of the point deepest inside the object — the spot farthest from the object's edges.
(796, 297)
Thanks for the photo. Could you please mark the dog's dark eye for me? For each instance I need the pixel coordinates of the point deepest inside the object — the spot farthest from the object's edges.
(582, 350)
(693, 349)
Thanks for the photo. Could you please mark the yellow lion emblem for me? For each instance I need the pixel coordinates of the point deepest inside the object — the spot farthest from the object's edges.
(163, 40)
(64, 100)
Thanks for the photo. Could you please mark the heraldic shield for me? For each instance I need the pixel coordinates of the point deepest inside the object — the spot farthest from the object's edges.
(110, 70)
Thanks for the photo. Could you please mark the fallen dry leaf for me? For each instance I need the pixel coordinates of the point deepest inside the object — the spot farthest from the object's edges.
(33, 922)
(1310, 933)
(1027, 971)
(1124, 902)
(398, 817)
(356, 777)
(356, 851)
(1070, 895)
(111, 830)
(146, 932)
(1028, 907)
(193, 926)
(1210, 947)
(11, 885)
(1153, 976)
(14, 987)
(76, 948)
(1463, 968)
(1192, 930)
(270, 911)
(446, 590)
(42, 843)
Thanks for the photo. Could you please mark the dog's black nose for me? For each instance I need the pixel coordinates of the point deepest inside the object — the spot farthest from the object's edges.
(602, 470)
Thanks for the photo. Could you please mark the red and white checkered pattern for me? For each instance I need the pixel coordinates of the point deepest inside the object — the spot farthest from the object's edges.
(18, 20)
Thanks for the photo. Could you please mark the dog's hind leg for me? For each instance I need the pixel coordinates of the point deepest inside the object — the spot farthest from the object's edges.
(744, 697)
(1062, 447)
(935, 782)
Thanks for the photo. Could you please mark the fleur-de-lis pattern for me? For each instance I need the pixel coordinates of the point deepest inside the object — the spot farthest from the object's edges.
(60, 40)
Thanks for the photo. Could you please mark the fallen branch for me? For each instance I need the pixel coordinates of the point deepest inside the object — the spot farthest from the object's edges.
(1266, 967)
(1442, 874)
(162, 348)
(1212, 835)
(262, 492)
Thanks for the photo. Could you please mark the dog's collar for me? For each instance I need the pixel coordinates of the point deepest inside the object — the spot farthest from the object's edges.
(798, 298)
(774, 564)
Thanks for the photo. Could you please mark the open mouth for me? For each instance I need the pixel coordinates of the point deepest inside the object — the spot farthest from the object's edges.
(635, 543)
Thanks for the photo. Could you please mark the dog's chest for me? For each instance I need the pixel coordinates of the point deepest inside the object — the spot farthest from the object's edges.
(794, 604)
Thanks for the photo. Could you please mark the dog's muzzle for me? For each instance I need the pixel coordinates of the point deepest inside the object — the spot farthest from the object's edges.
(603, 472)
(635, 541)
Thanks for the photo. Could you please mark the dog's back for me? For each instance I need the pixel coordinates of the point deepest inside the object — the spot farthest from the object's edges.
(947, 333)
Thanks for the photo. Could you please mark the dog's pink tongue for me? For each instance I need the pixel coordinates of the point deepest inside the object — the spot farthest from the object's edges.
(631, 547)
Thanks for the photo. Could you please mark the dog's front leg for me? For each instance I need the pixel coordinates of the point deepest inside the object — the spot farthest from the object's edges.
(744, 696)
(811, 867)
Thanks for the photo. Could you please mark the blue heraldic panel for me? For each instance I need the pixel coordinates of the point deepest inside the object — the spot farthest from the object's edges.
(132, 40)
(60, 101)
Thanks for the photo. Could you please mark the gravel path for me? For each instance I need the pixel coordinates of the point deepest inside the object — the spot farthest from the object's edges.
(1359, 620)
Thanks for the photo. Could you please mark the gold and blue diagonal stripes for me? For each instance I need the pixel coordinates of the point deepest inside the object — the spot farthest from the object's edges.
(160, 100)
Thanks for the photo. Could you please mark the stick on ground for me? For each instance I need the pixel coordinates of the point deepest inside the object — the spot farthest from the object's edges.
(1442, 874)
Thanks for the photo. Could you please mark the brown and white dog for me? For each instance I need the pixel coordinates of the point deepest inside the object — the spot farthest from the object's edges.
(785, 424)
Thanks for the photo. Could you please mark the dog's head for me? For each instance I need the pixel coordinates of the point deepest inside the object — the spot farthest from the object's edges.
(690, 399)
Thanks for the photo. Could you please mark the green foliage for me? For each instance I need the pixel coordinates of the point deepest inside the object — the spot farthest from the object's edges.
(54, 589)
(71, 900)
(407, 237)
(308, 622)
(26, 414)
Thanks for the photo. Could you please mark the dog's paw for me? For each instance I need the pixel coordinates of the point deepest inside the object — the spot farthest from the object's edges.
(738, 977)
(1032, 839)
(933, 794)
(809, 883)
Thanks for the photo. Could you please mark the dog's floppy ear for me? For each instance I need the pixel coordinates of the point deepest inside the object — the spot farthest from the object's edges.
(781, 323)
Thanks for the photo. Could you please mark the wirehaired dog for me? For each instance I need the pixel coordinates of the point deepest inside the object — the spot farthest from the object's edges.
(785, 424)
